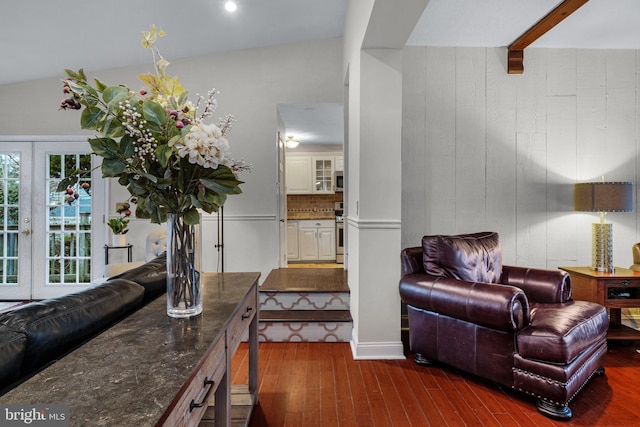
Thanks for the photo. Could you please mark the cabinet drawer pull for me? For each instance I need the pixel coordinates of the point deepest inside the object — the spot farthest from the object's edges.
(194, 404)
(246, 314)
(626, 282)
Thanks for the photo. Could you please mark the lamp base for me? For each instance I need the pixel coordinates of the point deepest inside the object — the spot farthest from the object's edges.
(602, 247)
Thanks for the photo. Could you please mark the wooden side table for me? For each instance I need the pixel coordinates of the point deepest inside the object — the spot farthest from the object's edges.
(615, 291)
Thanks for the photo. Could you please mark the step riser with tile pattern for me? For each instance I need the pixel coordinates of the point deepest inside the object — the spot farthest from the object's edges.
(305, 331)
(304, 328)
(304, 300)
(305, 305)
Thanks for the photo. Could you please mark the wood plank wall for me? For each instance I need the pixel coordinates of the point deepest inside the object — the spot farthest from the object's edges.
(485, 150)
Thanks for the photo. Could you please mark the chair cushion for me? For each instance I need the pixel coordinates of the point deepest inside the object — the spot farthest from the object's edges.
(558, 333)
(474, 257)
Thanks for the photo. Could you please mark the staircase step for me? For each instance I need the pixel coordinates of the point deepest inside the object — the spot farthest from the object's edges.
(305, 316)
(305, 326)
(305, 305)
(306, 280)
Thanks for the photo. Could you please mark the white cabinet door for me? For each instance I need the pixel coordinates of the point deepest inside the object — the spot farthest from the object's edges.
(317, 240)
(298, 175)
(323, 175)
(326, 243)
(339, 163)
(308, 243)
(293, 253)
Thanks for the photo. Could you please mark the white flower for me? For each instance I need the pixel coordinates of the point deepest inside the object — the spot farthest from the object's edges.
(205, 145)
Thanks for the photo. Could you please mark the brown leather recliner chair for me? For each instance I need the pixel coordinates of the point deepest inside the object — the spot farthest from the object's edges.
(516, 326)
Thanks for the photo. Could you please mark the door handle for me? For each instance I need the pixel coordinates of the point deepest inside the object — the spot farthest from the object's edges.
(26, 232)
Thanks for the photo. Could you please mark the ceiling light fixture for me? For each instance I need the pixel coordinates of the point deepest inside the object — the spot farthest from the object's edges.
(230, 6)
(291, 143)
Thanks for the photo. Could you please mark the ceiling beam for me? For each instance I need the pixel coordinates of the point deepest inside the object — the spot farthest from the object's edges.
(515, 52)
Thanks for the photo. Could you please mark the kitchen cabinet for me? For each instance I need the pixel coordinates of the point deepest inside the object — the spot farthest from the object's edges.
(323, 174)
(339, 163)
(317, 240)
(311, 173)
(293, 253)
(299, 175)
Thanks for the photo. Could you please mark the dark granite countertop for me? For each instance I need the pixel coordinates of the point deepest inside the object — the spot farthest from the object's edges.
(131, 373)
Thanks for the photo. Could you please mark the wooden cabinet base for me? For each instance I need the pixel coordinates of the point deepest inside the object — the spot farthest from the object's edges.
(615, 291)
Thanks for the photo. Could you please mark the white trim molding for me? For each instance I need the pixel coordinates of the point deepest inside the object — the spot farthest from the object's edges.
(390, 350)
(50, 138)
(239, 218)
(375, 224)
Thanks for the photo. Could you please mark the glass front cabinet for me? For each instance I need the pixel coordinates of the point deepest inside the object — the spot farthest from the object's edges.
(323, 178)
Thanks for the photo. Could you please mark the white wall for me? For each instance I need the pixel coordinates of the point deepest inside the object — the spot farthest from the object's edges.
(485, 150)
(252, 82)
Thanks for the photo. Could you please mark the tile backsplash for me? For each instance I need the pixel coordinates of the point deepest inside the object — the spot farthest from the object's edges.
(312, 206)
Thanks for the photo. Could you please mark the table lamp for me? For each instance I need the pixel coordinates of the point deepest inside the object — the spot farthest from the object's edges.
(602, 197)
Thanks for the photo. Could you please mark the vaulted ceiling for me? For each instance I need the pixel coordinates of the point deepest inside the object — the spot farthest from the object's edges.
(38, 38)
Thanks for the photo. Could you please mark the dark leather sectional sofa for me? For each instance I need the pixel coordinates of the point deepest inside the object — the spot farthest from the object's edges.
(37, 334)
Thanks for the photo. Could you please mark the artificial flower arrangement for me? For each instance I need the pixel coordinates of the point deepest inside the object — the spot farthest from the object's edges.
(170, 160)
(155, 143)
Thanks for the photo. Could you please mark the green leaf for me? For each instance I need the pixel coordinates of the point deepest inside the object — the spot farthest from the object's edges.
(195, 202)
(112, 128)
(91, 118)
(174, 140)
(141, 213)
(139, 188)
(104, 147)
(91, 96)
(113, 167)
(150, 177)
(154, 113)
(99, 85)
(127, 146)
(112, 95)
(191, 217)
(163, 154)
(214, 185)
(78, 76)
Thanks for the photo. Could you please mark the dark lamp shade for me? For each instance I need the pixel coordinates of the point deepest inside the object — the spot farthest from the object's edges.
(603, 197)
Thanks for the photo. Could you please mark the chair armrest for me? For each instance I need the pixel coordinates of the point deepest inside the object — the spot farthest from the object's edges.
(543, 286)
(495, 306)
(411, 259)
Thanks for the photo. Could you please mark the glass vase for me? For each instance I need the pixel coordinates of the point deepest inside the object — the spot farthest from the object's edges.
(184, 284)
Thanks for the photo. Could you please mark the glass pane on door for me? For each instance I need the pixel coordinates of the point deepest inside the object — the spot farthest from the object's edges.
(9, 216)
(68, 228)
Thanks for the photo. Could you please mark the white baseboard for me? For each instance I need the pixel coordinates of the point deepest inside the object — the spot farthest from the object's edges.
(391, 350)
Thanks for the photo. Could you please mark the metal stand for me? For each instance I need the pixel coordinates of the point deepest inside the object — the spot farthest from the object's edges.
(128, 247)
(220, 245)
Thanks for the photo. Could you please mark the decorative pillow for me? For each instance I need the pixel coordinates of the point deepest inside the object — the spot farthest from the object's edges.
(474, 257)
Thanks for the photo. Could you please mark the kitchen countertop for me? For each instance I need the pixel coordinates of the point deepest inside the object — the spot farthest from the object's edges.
(311, 215)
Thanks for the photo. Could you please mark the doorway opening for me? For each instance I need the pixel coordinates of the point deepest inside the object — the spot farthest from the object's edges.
(311, 194)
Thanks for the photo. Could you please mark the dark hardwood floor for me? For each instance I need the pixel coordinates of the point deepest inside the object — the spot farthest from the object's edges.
(319, 384)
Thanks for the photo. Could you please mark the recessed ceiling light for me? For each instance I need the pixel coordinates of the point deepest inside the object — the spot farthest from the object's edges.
(230, 6)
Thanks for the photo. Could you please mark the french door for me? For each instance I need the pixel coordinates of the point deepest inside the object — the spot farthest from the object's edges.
(47, 238)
